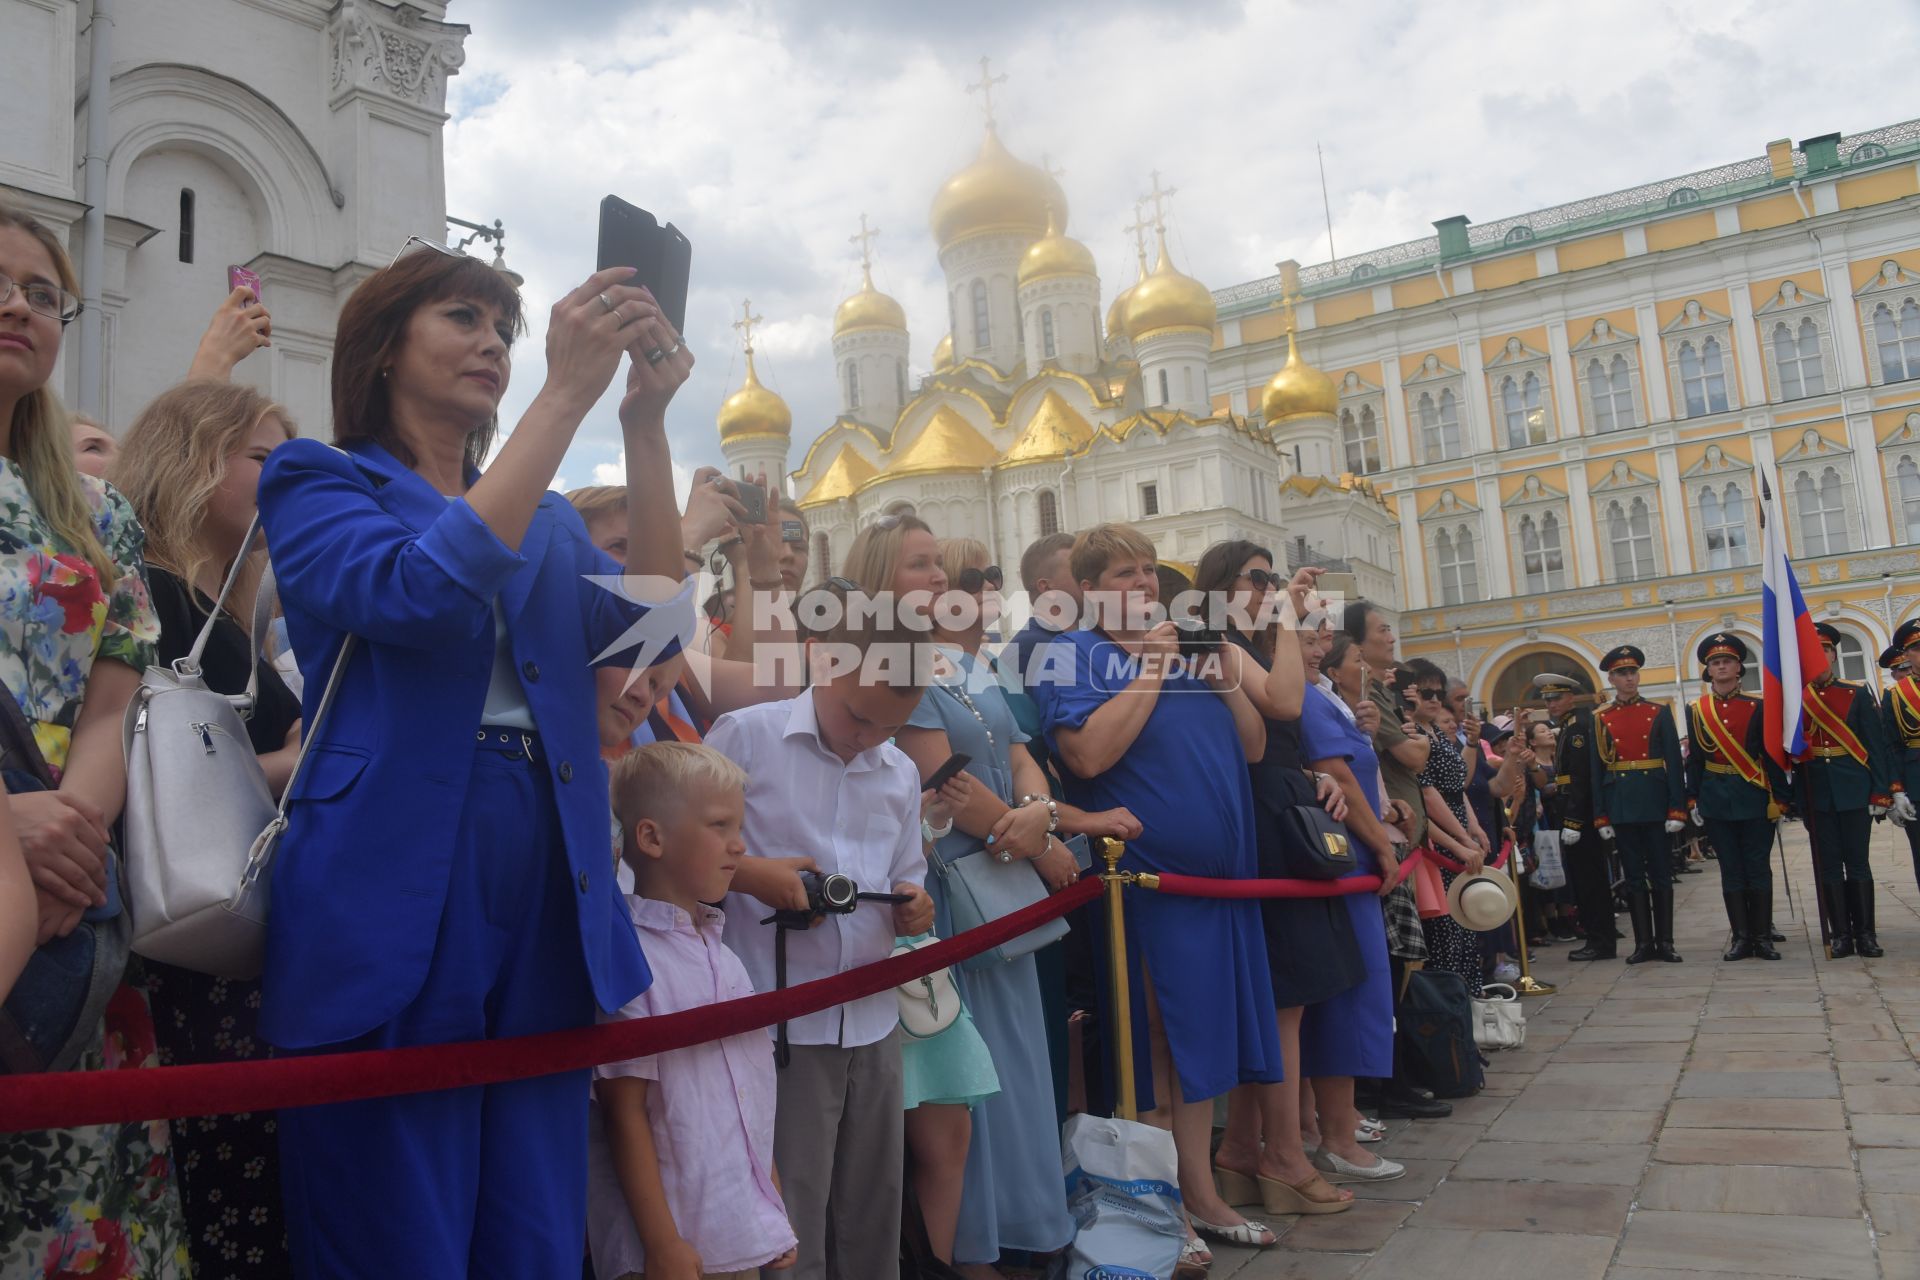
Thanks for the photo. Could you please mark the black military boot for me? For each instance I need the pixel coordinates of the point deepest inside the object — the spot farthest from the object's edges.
(1839, 928)
(1860, 907)
(1739, 919)
(1640, 904)
(1663, 924)
(1760, 934)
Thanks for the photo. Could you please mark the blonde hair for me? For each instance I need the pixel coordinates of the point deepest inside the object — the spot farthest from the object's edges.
(656, 779)
(599, 500)
(174, 459)
(1103, 544)
(874, 557)
(957, 555)
(42, 439)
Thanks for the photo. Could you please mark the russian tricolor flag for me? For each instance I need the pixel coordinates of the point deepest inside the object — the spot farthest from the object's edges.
(1791, 657)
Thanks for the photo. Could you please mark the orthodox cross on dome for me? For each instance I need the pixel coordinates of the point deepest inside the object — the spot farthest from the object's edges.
(1138, 229)
(746, 322)
(985, 87)
(1289, 297)
(865, 240)
(1159, 198)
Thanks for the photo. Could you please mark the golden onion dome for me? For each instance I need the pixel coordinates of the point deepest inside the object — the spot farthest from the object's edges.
(753, 410)
(868, 309)
(943, 354)
(1117, 311)
(994, 193)
(1167, 299)
(1054, 254)
(1298, 391)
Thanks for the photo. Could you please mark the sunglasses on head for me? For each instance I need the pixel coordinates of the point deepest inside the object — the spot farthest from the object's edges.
(424, 243)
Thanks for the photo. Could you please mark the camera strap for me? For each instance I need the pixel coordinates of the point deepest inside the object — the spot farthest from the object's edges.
(782, 1051)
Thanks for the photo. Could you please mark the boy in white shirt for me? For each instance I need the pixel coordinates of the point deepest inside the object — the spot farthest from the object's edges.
(827, 792)
(681, 1182)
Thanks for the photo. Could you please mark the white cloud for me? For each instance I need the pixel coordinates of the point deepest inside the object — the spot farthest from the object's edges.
(615, 472)
(764, 142)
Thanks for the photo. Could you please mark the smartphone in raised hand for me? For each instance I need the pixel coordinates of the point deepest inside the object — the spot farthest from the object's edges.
(662, 256)
(946, 772)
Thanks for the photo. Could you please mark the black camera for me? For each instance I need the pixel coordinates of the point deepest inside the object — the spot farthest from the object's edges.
(828, 894)
(1197, 639)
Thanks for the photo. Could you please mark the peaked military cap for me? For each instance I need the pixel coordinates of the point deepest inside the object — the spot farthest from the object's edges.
(1721, 642)
(1828, 632)
(1553, 684)
(1625, 656)
(1907, 634)
(1891, 656)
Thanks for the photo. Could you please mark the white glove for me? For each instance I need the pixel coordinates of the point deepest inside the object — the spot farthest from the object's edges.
(1675, 826)
(1569, 836)
(1903, 811)
(1876, 811)
(1606, 833)
(1694, 813)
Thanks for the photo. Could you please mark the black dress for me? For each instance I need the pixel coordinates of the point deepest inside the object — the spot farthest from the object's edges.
(1310, 945)
(228, 1166)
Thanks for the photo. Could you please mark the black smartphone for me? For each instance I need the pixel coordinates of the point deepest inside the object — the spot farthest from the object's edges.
(944, 774)
(754, 499)
(632, 237)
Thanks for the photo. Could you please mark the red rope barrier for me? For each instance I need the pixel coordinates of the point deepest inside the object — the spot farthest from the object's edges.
(1201, 887)
(69, 1099)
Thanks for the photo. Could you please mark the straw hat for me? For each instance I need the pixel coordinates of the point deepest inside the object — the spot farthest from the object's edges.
(1483, 901)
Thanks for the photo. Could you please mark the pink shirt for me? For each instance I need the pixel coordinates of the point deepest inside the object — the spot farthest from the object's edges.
(710, 1107)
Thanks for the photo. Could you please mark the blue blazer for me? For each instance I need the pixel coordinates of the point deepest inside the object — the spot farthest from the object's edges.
(362, 545)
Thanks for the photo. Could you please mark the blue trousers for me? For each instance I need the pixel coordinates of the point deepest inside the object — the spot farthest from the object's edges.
(1743, 846)
(1646, 854)
(479, 1182)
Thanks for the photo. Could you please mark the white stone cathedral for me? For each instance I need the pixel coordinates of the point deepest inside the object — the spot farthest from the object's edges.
(1041, 416)
(299, 138)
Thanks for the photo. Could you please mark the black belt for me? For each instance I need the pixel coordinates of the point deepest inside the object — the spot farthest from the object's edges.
(519, 744)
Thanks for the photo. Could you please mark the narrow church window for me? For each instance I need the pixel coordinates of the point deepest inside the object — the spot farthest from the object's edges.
(1049, 513)
(1149, 499)
(982, 329)
(186, 224)
(1046, 333)
(853, 385)
(1165, 397)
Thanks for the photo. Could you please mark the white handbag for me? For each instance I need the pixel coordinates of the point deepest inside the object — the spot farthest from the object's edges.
(928, 1005)
(200, 822)
(1498, 1020)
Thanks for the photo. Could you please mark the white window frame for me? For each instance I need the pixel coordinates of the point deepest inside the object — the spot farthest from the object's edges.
(1360, 440)
(1805, 365)
(1456, 564)
(1518, 378)
(1856, 660)
(1696, 342)
(1359, 397)
(1437, 385)
(1905, 476)
(1603, 343)
(1826, 521)
(1893, 287)
(1730, 501)
(1627, 488)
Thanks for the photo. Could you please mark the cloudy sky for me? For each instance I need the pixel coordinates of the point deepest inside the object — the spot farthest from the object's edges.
(765, 130)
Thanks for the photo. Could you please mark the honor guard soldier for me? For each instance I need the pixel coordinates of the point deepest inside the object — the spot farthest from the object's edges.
(1572, 802)
(1900, 719)
(1850, 779)
(1733, 790)
(1639, 800)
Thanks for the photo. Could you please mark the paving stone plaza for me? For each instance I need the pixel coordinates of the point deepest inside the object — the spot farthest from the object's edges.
(1668, 1121)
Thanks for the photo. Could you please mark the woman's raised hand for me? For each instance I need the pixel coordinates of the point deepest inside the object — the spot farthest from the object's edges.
(590, 327)
(661, 363)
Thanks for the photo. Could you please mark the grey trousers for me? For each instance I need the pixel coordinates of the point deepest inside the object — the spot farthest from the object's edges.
(839, 1140)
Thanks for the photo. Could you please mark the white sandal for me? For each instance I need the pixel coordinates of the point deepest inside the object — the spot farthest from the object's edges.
(1195, 1260)
(1244, 1233)
(1381, 1170)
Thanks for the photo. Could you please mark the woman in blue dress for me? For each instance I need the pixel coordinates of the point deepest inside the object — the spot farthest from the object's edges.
(1351, 1034)
(1012, 1196)
(1134, 728)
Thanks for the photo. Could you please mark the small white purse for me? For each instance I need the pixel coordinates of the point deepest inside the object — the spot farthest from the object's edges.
(928, 1005)
(200, 823)
(1498, 1020)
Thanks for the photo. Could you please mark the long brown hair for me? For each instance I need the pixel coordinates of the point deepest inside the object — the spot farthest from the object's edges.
(373, 325)
(174, 458)
(1219, 569)
(42, 439)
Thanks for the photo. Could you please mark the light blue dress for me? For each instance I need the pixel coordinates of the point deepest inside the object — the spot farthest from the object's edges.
(1014, 1196)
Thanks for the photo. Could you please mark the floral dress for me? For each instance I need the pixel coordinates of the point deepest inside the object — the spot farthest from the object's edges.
(97, 1202)
(1451, 946)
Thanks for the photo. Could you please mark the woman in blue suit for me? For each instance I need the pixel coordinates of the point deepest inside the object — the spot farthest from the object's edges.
(447, 872)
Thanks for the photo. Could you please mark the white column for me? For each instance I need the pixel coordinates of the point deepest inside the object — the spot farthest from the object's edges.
(1480, 426)
(1586, 549)
(1566, 387)
(1843, 318)
(1413, 560)
(1673, 512)
(1746, 344)
(1493, 532)
(1875, 523)
(1653, 364)
(1399, 440)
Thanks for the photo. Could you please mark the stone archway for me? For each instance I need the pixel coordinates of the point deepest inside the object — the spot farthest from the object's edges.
(1513, 687)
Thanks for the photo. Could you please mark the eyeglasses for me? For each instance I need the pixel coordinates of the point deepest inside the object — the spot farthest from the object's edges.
(1431, 695)
(971, 581)
(48, 299)
(1261, 579)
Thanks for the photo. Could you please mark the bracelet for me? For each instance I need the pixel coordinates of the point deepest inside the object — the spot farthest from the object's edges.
(931, 834)
(1053, 810)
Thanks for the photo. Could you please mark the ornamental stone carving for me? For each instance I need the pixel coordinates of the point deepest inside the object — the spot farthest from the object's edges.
(395, 51)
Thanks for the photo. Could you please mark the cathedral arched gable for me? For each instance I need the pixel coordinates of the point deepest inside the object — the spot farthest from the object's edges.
(168, 105)
(1076, 390)
(826, 445)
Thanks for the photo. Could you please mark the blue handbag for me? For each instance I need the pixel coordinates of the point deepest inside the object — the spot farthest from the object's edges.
(980, 890)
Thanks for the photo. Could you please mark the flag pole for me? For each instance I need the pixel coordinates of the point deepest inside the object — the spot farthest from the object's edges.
(1813, 849)
(1785, 882)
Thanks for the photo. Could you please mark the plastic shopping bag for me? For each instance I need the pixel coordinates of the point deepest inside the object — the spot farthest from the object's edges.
(1123, 1190)
(1550, 869)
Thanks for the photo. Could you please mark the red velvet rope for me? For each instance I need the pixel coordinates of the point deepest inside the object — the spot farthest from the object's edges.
(1180, 886)
(68, 1099)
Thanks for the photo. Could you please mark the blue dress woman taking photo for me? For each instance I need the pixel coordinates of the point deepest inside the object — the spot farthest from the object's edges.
(447, 873)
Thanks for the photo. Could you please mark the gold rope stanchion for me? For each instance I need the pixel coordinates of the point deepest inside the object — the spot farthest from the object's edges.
(1526, 986)
(1116, 881)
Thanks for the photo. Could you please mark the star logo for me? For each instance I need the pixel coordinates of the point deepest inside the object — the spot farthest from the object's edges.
(669, 617)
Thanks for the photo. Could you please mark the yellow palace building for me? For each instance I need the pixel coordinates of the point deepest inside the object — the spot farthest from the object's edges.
(1570, 412)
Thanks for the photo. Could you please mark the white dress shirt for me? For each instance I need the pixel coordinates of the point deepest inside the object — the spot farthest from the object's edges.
(860, 819)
